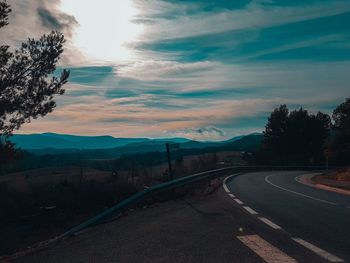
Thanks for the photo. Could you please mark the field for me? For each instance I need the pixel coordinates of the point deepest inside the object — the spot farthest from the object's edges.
(43, 203)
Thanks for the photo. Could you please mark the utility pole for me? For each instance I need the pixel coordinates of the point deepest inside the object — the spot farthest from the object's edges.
(169, 161)
(327, 153)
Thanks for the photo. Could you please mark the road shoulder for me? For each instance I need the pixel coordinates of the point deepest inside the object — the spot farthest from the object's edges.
(313, 180)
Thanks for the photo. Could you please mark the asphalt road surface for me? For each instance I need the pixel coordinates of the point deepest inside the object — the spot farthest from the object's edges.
(319, 217)
(250, 219)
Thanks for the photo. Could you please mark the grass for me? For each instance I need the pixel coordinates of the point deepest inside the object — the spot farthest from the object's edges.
(77, 193)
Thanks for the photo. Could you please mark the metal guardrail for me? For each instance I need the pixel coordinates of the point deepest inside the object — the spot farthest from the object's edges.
(128, 202)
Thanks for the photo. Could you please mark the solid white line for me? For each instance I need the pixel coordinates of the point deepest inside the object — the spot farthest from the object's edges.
(224, 183)
(297, 193)
(238, 201)
(231, 195)
(318, 250)
(250, 210)
(265, 250)
(225, 188)
(269, 223)
(228, 177)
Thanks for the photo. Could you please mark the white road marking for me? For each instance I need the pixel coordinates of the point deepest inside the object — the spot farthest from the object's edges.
(228, 177)
(250, 210)
(297, 193)
(231, 195)
(265, 250)
(224, 183)
(238, 201)
(225, 188)
(318, 250)
(269, 223)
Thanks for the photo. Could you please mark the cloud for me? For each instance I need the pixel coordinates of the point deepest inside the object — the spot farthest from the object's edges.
(56, 20)
(94, 75)
(32, 18)
(239, 101)
(255, 15)
(202, 133)
(156, 70)
(203, 69)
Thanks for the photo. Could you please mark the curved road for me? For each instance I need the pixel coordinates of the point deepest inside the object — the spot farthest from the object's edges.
(320, 217)
(255, 218)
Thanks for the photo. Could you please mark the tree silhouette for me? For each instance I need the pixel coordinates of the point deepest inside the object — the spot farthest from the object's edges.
(341, 145)
(275, 134)
(341, 117)
(296, 137)
(27, 83)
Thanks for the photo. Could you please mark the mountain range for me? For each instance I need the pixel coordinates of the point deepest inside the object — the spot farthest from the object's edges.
(52, 143)
(66, 141)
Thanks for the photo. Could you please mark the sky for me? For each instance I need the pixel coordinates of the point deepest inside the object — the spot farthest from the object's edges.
(205, 70)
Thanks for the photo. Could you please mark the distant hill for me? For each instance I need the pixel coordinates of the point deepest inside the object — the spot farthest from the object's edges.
(234, 139)
(110, 147)
(71, 142)
(248, 143)
(62, 141)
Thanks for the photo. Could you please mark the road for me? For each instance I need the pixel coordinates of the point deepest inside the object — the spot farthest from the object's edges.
(317, 216)
(221, 227)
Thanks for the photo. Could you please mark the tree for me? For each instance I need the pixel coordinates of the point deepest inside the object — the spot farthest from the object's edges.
(275, 133)
(27, 83)
(340, 147)
(7, 152)
(319, 134)
(341, 117)
(295, 137)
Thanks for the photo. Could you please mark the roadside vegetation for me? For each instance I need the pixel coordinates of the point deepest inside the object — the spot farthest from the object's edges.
(43, 203)
(341, 175)
(27, 82)
(300, 138)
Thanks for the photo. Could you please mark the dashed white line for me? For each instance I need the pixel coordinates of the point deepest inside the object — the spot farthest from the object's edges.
(318, 251)
(265, 250)
(251, 211)
(269, 223)
(238, 201)
(231, 195)
(297, 193)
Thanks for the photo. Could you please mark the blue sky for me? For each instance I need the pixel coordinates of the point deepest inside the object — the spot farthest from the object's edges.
(207, 70)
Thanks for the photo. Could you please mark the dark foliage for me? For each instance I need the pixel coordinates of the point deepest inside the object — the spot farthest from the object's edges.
(295, 137)
(341, 117)
(4, 12)
(7, 152)
(339, 149)
(27, 86)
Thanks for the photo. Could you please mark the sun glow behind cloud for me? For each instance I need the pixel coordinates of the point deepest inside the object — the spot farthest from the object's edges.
(105, 28)
(165, 68)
